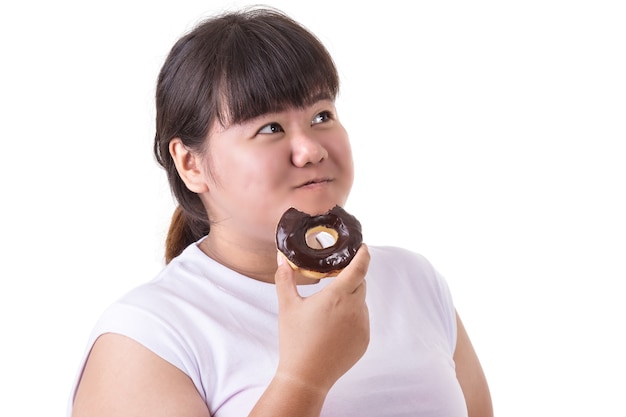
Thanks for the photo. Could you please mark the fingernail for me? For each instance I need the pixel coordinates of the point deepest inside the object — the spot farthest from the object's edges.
(280, 259)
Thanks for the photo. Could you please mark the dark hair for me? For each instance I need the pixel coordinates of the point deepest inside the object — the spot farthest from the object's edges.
(231, 68)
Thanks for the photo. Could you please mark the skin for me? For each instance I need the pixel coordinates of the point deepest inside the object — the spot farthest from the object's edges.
(300, 158)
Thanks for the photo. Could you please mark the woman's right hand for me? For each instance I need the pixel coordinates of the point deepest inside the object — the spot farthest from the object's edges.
(322, 336)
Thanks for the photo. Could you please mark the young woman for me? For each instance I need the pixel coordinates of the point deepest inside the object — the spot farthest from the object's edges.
(246, 128)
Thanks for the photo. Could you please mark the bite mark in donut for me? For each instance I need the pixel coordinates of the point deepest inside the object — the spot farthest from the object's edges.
(318, 246)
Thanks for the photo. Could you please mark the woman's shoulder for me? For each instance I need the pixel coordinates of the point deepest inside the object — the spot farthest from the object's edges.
(400, 269)
(400, 258)
(413, 284)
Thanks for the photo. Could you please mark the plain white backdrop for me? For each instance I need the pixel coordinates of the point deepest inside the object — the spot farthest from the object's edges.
(488, 136)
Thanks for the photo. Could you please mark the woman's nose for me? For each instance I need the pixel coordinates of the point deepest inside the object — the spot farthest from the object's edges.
(307, 150)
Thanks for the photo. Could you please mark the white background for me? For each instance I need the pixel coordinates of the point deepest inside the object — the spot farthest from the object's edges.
(488, 135)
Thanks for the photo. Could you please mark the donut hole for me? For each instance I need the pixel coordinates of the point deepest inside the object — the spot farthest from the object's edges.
(321, 237)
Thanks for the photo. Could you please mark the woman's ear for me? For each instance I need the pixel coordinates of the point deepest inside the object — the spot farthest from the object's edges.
(189, 166)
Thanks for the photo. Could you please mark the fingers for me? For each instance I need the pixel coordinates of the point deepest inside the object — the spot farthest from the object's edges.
(351, 279)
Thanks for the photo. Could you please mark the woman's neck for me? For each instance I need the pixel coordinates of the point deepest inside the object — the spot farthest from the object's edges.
(254, 260)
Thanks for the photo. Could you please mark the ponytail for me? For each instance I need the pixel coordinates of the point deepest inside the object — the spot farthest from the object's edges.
(184, 230)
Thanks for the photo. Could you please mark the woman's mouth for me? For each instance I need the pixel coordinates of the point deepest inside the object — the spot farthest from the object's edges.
(314, 182)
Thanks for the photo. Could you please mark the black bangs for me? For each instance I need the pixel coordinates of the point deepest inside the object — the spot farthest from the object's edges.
(270, 65)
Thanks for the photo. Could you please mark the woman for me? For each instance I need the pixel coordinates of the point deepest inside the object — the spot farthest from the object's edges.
(246, 128)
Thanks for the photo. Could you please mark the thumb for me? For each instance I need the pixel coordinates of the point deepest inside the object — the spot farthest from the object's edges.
(285, 281)
(354, 274)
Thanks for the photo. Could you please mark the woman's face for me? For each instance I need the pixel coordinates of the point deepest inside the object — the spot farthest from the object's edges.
(256, 170)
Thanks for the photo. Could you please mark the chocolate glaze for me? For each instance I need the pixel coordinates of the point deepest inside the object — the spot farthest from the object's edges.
(291, 239)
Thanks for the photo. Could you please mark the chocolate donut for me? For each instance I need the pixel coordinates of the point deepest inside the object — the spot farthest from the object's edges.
(318, 246)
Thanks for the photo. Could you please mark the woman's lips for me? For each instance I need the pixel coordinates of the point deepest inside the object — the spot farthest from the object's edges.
(314, 182)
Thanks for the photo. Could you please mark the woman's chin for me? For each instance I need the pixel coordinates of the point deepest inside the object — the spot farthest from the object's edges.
(315, 208)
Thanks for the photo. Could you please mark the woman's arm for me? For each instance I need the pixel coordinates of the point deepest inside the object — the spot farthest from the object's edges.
(123, 378)
(320, 338)
(470, 374)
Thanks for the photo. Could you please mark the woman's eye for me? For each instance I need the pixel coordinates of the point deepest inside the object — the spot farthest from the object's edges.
(321, 117)
(270, 128)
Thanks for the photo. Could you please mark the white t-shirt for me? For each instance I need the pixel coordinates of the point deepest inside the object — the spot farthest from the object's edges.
(221, 329)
